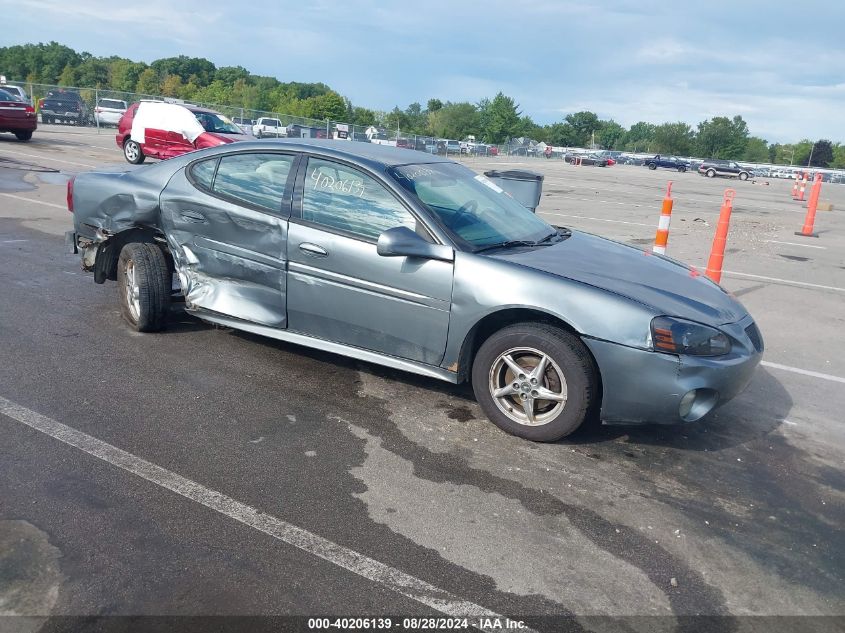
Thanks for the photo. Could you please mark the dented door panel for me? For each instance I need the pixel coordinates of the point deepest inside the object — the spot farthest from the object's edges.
(230, 258)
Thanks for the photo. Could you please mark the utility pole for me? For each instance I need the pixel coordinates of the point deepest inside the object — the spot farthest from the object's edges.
(810, 160)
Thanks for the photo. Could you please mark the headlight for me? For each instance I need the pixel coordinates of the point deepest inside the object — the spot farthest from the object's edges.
(678, 336)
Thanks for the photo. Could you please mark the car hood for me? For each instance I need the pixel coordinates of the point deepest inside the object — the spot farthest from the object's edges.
(667, 286)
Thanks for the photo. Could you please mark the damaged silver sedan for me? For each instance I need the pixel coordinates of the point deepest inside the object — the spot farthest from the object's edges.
(415, 262)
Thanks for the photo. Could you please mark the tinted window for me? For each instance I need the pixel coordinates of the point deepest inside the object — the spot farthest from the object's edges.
(113, 103)
(346, 199)
(203, 173)
(257, 179)
(7, 96)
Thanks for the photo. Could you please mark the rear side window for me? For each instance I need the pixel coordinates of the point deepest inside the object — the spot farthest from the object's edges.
(256, 179)
(203, 173)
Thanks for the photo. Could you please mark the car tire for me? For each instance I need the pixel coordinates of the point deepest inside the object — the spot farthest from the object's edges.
(132, 152)
(144, 284)
(569, 373)
(24, 136)
(710, 173)
(652, 166)
(45, 120)
(682, 169)
(743, 176)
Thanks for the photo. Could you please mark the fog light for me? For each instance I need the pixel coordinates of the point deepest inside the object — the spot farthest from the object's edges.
(686, 403)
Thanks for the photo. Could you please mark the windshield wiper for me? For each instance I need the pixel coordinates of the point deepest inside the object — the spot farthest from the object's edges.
(511, 243)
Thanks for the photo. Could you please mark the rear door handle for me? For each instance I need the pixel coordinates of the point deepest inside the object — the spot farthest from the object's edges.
(193, 216)
(313, 250)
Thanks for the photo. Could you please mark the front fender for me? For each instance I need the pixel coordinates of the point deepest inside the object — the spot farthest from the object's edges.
(484, 286)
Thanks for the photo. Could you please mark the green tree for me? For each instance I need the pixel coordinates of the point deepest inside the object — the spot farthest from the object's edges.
(822, 154)
(562, 135)
(584, 123)
(454, 121)
(171, 86)
(148, 83)
(124, 74)
(673, 138)
(610, 134)
(231, 74)
(329, 106)
(721, 137)
(756, 150)
(501, 119)
(434, 104)
(363, 116)
(68, 76)
(838, 161)
(639, 137)
(185, 66)
(800, 152)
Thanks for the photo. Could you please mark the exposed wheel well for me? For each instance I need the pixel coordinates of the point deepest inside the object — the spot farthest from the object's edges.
(105, 266)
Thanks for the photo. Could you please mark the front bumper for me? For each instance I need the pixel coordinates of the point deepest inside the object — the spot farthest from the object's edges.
(641, 386)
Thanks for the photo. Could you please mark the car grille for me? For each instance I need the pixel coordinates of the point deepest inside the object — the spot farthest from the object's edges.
(753, 333)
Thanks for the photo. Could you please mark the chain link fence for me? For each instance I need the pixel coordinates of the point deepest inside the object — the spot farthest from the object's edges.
(101, 109)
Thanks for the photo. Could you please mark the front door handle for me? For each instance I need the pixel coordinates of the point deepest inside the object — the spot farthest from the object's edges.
(313, 250)
(193, 216)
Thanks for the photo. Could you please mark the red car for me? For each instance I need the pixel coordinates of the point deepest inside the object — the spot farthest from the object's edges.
(164, 130)
(16, 116)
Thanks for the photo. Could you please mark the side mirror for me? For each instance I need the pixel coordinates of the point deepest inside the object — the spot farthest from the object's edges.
(403, 242)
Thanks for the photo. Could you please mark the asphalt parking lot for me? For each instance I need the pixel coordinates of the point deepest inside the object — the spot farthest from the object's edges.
(203, 471)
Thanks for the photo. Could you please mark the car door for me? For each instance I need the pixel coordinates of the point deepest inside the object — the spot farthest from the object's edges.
(225, 219)
(340, 289)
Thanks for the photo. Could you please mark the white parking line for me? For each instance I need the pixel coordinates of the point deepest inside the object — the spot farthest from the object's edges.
(48, 204)
(55, 160)
(794, 244)
(373, 570)
(585, 217)
(783, 281)
(803, 372)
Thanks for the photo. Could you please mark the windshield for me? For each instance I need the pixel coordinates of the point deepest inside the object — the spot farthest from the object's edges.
(471, 206)
(217, 123)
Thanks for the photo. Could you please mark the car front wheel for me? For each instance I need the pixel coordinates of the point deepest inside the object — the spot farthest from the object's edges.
(711, 173)
(652, 166)
(743, 176)
(132, 152)
(535, 381)
(682, 169)
(144, 284)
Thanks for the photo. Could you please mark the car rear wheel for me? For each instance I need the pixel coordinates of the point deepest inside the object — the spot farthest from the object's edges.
(652, 166)
(682, 169)
(711, 173)
(132, 152)
(46, 119)
(535, 381)
(24, 136)
(743, 176)
(144, 284)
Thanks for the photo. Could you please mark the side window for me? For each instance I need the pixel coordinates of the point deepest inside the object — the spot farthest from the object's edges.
(345, 199)
(257, 179)
(203, 173)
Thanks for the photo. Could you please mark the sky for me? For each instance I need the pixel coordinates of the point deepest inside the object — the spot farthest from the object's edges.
(780, 65)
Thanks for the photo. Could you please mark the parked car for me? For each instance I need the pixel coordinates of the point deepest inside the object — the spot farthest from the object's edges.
(65, 106)
(427, 268)
(244, 124)
(724, 168)
(16, 91)
(266, 126)
(109, 111)
(586, 159)
(164, 130)
(16, 116)
(667, 162)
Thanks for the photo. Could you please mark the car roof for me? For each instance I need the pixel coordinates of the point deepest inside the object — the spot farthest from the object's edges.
(373, 153)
